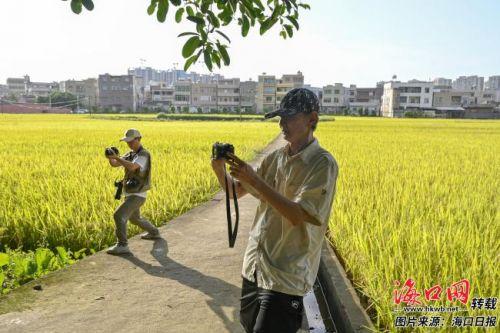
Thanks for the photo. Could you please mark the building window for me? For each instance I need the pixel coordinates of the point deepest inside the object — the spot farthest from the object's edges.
(337, 91)
(182, 98)
(414, 99)
(426, 101)
(269, 99)
(327, 100)
(335, 100)
(427, 90)
(403, 99)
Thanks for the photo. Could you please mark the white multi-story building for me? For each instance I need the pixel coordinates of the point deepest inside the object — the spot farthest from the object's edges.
(465, 83)
(366, 101)
(228, 94)
(160, 94)
(17, 85)
(248, 90)
(182, 95)
(204, 96)
(399, 97)
(335, 98)
(266, 93)
(493, 83)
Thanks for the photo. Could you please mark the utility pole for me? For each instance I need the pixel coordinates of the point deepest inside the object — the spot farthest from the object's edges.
(77, 106)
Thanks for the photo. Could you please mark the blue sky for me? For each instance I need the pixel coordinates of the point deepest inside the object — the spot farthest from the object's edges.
(348, 41)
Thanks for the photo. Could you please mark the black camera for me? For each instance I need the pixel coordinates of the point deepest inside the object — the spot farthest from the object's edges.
(111, 151)
(220, 150)
(119, 189)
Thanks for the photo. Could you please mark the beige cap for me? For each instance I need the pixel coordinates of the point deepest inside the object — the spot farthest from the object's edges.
(130, 135)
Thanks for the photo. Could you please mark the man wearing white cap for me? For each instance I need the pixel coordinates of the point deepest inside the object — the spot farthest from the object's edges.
(137, 182)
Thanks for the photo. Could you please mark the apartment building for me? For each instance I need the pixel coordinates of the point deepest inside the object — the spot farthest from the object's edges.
(86, 90)
(118, 92)
(399, 97)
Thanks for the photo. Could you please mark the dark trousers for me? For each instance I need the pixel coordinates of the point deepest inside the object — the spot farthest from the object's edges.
(267, 311)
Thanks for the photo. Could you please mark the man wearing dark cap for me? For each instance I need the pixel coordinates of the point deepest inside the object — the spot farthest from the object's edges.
(296, 186)
(136, 183)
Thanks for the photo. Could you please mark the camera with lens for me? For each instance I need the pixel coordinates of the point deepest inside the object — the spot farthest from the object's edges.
(111, 151)
(119, 189)
(220, 150)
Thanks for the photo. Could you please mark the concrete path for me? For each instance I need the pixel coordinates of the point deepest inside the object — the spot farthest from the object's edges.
(189, 281)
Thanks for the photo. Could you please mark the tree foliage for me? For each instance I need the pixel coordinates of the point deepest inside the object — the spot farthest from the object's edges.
(211, 17)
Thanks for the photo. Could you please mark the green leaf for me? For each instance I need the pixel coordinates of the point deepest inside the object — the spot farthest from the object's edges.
(216, 58)
(42, 259)
(187, 34)
(265, 25)
(195, 19)
(226, 15)
(288, 6)
(223, 35)
(31, 269)
(178, 15)
(76, 6)
(213, 19)
(205, 5)
(191, 45)
(224, 54)
(2, 279)
(4, 259)
(208, 59)
(161, 14)
(190, 61)
(152, 7)
(304, 5)
(190, 11)
(80, 254)
(18, 265)
(88, 4)
(289, 29)
(63, 255)
(245, 26)
(294, 22)
(175, 2)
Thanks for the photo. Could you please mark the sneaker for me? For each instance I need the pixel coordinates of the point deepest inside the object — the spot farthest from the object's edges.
(150, 235)
(118, 249)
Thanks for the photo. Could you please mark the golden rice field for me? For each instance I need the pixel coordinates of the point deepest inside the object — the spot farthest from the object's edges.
(416, 198)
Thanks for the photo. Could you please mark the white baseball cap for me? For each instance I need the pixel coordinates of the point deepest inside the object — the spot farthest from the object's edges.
(130, 135)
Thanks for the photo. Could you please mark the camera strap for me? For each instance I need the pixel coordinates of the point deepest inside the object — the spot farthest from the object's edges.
(231, 231)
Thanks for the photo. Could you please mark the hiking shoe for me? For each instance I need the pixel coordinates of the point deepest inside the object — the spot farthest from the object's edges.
(118, 249)
(150, 235)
